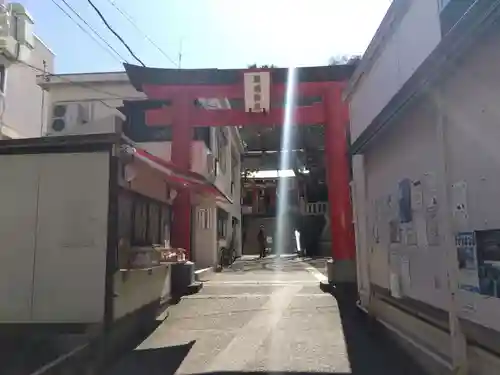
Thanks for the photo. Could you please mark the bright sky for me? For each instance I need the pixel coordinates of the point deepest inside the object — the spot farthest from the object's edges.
(215, 33)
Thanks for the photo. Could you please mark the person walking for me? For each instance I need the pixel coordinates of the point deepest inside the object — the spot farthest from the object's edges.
(261, 240)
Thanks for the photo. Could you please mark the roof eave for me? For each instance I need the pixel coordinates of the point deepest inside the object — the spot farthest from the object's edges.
(483, 17)
(49, 80)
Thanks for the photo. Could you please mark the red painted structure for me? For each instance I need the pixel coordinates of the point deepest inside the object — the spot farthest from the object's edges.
(180, 89)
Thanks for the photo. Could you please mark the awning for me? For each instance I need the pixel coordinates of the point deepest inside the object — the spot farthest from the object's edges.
(177, 177)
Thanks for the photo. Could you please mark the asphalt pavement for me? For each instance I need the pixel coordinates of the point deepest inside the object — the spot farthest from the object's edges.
(265, 316)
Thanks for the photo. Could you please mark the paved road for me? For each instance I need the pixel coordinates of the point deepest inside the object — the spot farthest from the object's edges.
(264, 315)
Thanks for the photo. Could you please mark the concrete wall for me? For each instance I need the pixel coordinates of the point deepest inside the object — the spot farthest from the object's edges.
(136, 288)
(465, 104)
(400, 46)
(53, 236)
(410, 150)
(472, 136)
(24, 108)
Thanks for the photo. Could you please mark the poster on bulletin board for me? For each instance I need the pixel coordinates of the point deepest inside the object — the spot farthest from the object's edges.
(467, 261)
(417, 196)
(488, 258)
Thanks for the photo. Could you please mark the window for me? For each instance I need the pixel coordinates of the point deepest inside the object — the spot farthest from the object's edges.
(154, 231)
(203, 218)
(139, 221)
(222, 218)
(203, 134)
(150, 222)
(235, 167)
(165, 221)
(3, 77)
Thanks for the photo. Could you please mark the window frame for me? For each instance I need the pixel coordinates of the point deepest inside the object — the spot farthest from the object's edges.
(149, 235)
(3, 78)
(222, 221)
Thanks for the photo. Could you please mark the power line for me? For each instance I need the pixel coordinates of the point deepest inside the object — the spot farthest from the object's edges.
(146, 36)
(87, 32)
(114, 32)
(93, 30)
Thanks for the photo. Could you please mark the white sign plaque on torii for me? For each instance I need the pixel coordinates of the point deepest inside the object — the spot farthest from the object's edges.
(257, 91)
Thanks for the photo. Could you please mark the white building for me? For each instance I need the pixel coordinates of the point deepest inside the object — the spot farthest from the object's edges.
(94, 96)
(424, 133)
(24, 103)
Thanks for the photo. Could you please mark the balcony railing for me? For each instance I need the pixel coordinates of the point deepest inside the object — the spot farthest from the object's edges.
(259, 210)
(314, 209)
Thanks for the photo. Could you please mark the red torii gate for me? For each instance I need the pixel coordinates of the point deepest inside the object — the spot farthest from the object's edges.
(182, 88)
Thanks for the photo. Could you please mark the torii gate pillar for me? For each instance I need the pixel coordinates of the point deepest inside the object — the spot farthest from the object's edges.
(342, 268)
(182, 136)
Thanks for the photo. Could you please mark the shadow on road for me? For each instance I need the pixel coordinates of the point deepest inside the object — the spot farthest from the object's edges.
(156, 361)
(272, 373)
(370, 350)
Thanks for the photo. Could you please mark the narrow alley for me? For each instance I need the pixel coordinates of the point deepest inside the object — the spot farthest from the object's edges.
(265, 316)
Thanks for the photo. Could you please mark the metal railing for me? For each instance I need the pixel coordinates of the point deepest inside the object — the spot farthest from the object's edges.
(316, 208)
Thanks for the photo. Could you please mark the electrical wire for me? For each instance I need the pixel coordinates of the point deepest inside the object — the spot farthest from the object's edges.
(93, 30)
(90, 35)
(129, 18)
(103, 19)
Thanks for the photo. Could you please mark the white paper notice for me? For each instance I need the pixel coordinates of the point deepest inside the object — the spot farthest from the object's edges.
(417, 196)
(405, 271)
(394, 284)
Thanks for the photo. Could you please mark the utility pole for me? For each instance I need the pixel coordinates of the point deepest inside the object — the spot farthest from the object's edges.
(179, 63)
(42, 104)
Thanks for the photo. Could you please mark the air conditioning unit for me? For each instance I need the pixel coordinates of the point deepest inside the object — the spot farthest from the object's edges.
(74, 119)
(67, 117)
